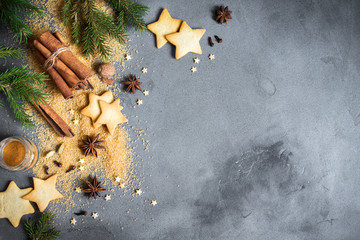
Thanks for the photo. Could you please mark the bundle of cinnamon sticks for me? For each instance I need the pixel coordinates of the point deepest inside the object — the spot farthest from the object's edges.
(67, 71)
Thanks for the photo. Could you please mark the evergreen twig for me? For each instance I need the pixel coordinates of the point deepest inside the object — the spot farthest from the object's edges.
(10, 11)
(42, 229)
(92, 27)
(20, 85)
(7, 52)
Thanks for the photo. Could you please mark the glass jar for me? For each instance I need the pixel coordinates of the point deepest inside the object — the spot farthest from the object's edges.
(18, 153)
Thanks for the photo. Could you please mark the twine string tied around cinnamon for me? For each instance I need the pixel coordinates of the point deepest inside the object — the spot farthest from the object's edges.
(49, 63)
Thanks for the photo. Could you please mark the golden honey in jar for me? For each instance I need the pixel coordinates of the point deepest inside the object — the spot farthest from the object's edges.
(18, 153)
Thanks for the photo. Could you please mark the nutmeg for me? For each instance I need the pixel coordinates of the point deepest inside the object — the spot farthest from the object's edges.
(106, 71)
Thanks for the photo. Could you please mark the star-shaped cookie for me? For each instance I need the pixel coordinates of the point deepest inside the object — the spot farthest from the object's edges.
(165, 25)
(44, 192)
(110, 115)
(186, 40)
(12, 206)
(93, 109)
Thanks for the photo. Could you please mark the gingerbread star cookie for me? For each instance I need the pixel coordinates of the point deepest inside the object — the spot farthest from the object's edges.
(186, 40)
(93, 109)
(165, 25)
(111, 115)
(44, 192)
(12, 206)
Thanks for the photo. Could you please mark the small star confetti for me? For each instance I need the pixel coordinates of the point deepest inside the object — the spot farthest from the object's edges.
(107, 197)
(128, 57)
(117, 179)
(72, 112)
(153, 202)
(193, 69)
(211, 56)
(196, 60)
(78, 189)
(73, 221)
(121, 185)
(94, 215)
(139, 102)
(144, 70)
(81, 168)
(138, 192)
(76, 122)
(82, 161)
(146, 92)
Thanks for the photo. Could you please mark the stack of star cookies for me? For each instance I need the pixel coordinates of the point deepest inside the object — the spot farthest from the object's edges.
(178, 33)
(103, 110)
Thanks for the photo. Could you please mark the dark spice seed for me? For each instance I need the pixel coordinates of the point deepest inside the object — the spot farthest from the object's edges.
(210, 42)
(71, 169)
(81, 213)
(219, 40)
(46, 169)
(59, 164)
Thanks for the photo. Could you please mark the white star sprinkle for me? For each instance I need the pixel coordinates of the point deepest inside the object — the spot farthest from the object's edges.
(94, 215)
(121, 185)
(78, 189)
(139, 102)
(193, 69)
(146, 92)
(196, 60)
(81, 168)
(153, 202)
(138, 192)
(127, 57)
(76, 122)
(82, 161)
(72, 112)
(73, 221)
(117, 179)
(211, 56)
(107, 197)
(144, 70)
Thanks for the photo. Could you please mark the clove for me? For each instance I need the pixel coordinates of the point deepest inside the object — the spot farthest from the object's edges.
(59, 164)
(81, 213)
(210, 42)
(219, 40)
(71, 169)
(46, 169)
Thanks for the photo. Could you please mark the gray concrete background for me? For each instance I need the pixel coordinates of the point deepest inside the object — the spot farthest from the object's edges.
(263, 141)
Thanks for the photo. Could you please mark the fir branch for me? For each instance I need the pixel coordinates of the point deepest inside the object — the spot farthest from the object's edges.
(91, 27)
(130, 13)
(20, 85)
(41, 230)
(7, 52)
(10, 11)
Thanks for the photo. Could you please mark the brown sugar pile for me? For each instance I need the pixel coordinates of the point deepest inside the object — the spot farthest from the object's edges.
(114, 162)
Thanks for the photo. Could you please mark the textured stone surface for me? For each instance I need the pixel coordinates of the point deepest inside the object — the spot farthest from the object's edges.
(263, 141)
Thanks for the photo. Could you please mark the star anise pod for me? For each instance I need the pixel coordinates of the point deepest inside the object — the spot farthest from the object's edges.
(223, 14)
(93, 188)
(90, 145)
(133, 84)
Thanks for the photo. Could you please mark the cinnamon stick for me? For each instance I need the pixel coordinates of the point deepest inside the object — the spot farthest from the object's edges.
(60, 38)
(59, 81)
(53, 44)
(56, 122)
(69, 76)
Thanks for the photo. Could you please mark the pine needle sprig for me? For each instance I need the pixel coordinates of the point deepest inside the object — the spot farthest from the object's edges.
(10, 11)
(130, 13)
(8, 52)
(42, 229)
(91, 27)
(20, 85)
